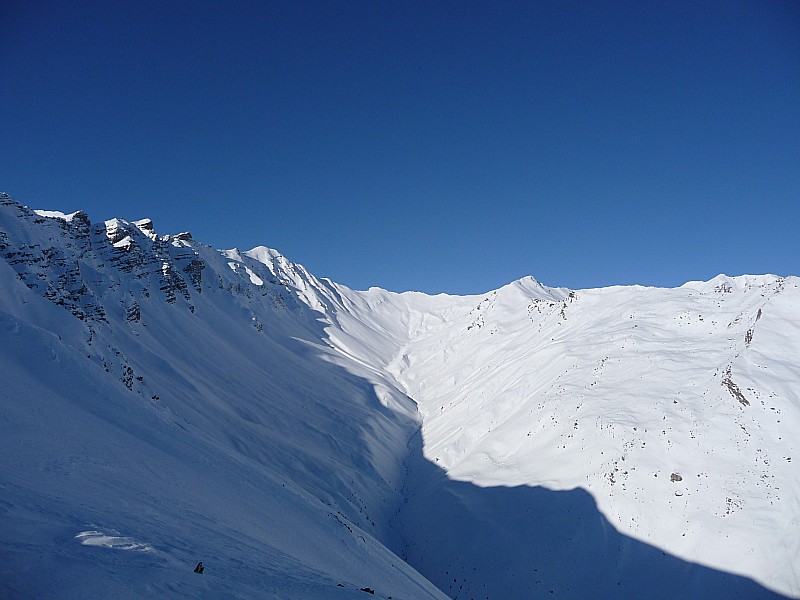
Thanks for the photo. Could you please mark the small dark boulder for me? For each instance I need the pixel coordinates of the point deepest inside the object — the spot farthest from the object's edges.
(368, 590)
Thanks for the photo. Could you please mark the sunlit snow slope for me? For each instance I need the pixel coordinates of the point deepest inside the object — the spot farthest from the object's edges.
(676, 409)
(163, 403)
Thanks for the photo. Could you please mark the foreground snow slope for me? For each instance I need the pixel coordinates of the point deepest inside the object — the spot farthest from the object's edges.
(164, 403)
(157, 410)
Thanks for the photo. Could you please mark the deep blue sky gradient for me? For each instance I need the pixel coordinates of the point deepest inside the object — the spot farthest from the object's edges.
(436, 146)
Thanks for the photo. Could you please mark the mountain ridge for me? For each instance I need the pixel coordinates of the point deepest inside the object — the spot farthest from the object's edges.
(364, 393)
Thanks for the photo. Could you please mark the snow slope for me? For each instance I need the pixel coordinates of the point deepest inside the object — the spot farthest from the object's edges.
(181, 423)
(674, 409)
(164, 402)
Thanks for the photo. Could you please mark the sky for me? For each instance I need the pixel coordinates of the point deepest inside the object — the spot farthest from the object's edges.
(433, 146)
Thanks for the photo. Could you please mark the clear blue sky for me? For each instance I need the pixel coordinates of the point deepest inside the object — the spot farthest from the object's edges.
(437, 146)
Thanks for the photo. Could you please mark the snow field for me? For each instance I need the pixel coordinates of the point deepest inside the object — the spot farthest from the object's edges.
(164, 402)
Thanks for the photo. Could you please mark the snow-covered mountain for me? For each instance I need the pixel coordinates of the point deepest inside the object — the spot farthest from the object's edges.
(164, 403)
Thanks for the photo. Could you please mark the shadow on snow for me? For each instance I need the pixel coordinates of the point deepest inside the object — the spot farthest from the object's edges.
(530, 542)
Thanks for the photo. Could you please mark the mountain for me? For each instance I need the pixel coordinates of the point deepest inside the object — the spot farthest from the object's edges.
(165, 403)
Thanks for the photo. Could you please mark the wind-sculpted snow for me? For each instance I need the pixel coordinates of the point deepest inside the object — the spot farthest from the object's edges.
(164, 403)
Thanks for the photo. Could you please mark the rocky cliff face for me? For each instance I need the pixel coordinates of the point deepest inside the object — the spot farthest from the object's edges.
(70, 262)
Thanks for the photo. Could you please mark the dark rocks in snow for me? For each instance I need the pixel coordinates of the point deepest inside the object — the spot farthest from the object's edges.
(734, 390)
(133, 313)
(194, 269)
(127, 377)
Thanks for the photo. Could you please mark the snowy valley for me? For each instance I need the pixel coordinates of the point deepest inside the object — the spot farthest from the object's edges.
(164, 403)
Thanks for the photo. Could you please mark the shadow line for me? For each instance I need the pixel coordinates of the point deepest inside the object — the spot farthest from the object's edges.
(498, 543)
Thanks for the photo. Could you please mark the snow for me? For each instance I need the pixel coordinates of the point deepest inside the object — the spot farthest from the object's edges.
(613, 391)
(117, 542)
(165, 403)
(146, 227)
(55, 214)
